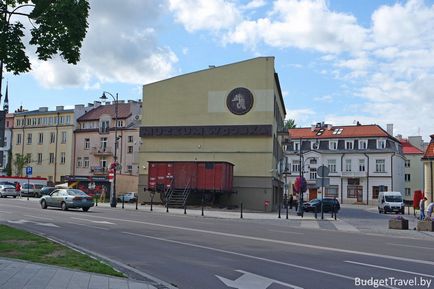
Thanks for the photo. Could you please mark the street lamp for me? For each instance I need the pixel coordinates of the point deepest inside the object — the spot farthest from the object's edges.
(113, 193)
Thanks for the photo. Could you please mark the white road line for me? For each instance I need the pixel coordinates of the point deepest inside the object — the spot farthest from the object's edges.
(309, 224)
(88, 226)
(390, 269)
(5, 212)
(98, 222)
(344, 226)
(286, 232)
(410, 246)
(36, 217)
(246, 256)
(286, 243)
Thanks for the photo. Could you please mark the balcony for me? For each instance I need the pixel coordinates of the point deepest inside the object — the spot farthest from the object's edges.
(97, 151)
(353, 174)
(98, 170)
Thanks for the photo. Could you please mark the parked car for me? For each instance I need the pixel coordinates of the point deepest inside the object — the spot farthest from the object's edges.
(46, 190)
(31, 190)
(328, 205)
(7, 191)
(130, 197)
(66, 199)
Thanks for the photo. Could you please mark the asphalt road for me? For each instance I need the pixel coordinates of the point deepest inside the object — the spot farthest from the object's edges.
(196, 252)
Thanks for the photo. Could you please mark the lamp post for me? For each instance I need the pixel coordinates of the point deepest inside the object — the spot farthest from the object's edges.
(113, 193)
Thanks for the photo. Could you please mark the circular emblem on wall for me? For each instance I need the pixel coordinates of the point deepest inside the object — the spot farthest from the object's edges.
(239, 100)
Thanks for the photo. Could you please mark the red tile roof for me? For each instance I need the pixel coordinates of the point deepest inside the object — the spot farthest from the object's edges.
(347, 132)
(429, 154)
(408, 148)
(124, 111)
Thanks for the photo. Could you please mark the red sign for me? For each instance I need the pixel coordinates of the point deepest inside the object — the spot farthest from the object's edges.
(266, 203)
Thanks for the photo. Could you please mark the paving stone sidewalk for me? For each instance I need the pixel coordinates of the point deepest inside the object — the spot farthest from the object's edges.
(16, 274)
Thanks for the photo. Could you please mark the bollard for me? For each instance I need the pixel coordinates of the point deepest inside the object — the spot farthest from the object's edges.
(279, 211)
(241, 208)
(96, 201)
(185, 209)
(151, 204)
(316, 212)
(137, 203)
(123, 202)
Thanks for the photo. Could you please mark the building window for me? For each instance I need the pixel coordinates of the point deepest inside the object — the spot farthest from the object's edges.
(18, 139)
(63, 136)
(312, 174)
(18, 122)
(331, 191)
(349, 145)
(29, 138)
(381, 144)
(407, 177)
(41, 138)
(103, 163)
(348, 165)
(361, 165)
(62, 158)
(377, 189)
(85, 162)
(79, 164)
(407, 191)
(296, 166)
(68, 119)
(333, 145)
(363, 144)
(129, 169)
(380, 166)
(332, 165)
(103, 143)
(296, 146)
(104, 126)
(130, 149)
(52, 137)
(39, 158)
(87, 143)
(51, 158)
(130, 138)
(407, 163)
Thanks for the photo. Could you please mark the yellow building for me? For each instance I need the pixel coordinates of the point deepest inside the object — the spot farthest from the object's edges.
(230, 113)
(47, 137)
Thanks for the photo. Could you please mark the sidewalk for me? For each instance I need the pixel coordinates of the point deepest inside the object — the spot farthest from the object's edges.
(17, 274)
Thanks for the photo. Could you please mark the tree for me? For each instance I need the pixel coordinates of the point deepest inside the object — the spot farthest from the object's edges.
(59, 27)
(19, 162)
(9, 164)
(290, 123)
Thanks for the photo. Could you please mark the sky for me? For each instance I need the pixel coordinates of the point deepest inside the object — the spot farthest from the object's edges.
(338, 61)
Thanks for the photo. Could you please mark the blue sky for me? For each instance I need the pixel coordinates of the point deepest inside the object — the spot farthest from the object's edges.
(339, 61)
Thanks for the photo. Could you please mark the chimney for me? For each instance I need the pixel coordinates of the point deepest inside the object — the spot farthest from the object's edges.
(390, 128)
(312, 128)
(59, 108)
(43, 109)
(96, 103)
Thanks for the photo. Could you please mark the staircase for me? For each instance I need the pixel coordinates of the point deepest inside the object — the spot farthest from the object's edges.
(178, 197)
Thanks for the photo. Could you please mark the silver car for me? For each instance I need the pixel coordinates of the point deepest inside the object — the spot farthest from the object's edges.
(7, 191)
(67, 198)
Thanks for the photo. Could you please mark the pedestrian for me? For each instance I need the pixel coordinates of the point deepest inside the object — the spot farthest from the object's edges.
(429, 210)
(103, 193)
(18, 189)
(422, 208)
(291, 199)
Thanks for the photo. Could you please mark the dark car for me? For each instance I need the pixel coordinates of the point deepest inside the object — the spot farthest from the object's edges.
(67, 198)
(46, 191)
(328, 205)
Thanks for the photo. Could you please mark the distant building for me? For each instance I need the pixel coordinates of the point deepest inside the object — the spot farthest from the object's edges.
(362, 160)
(413, 169)
(428, 168)
(4, 151)
(94, 146)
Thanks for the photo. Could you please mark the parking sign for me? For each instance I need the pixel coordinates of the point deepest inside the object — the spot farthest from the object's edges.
(29, 171)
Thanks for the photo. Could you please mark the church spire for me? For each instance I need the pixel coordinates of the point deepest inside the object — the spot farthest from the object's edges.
(6, 103)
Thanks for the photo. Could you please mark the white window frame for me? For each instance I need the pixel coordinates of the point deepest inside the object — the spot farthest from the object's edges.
(362, 166)
(62, 157)
(349, 144)
(381, 144)
(380, 166)
(363, 144)
(348, 165)
(79, 163)
(332, 165)
(87, 143)
(333, 145)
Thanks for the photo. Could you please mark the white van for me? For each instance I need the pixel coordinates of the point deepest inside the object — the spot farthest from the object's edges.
(390, 202)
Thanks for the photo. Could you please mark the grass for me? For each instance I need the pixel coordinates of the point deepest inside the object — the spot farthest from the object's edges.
(18, 244)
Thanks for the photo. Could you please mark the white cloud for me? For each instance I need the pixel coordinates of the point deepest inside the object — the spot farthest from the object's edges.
(324, 98)
(303, 117)
(116, 48)
(211, 15)
(254, 4)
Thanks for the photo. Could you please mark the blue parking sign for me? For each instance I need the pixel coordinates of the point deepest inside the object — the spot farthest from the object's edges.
(29, 171)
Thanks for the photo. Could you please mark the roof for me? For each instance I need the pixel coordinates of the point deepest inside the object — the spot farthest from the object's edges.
(124, 111)
(409, 149)
(429, 153)
(354, 131)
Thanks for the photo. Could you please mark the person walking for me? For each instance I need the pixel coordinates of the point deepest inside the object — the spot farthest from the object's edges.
(429, 210)
(422, 208)
(18, 189)
(291, 200)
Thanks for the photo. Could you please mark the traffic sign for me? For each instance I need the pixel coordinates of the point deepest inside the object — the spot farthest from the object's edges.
(323, 182)
(323, 171)
(29, 171)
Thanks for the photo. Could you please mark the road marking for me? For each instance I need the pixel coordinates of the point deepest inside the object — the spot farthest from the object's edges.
(88, 226)
(36, 217)
(253, 281)
(36, 223)
(308, 224)
(5, 212)
(247, 256)
(98, 222)
(344, 226)
(410, 246)
(286, 232)
(390, 269)
(18, 221)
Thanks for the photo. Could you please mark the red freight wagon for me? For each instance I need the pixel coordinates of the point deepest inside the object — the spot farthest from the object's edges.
(197, 176)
